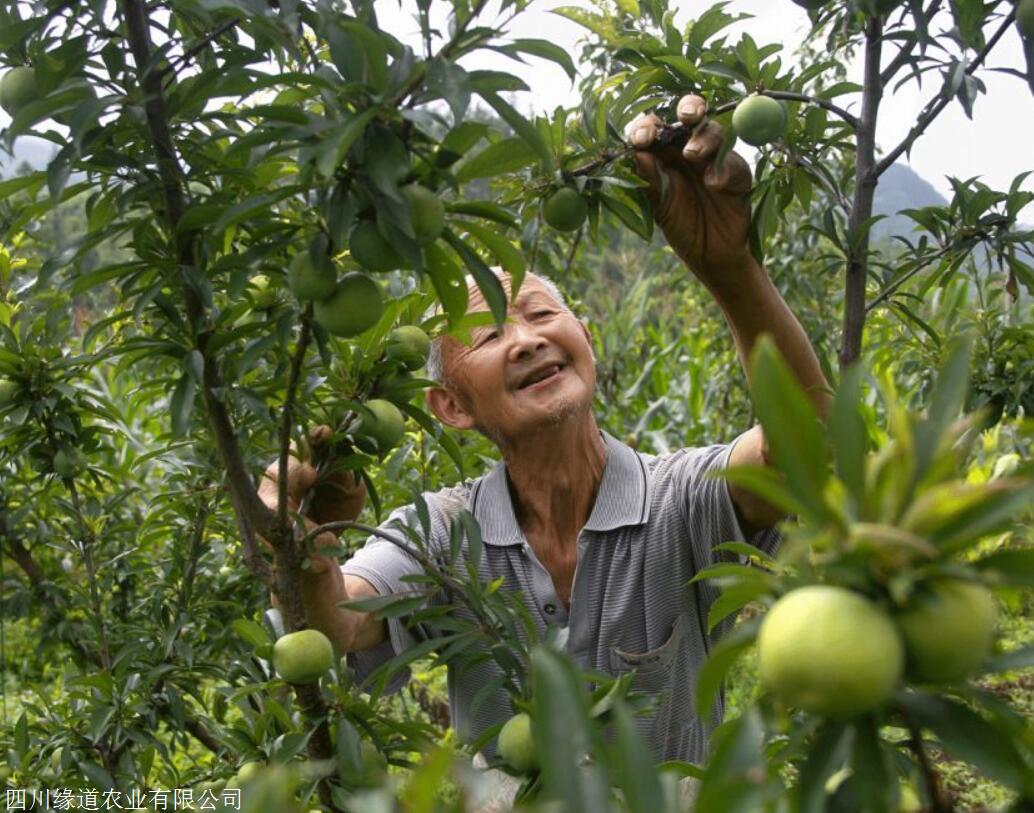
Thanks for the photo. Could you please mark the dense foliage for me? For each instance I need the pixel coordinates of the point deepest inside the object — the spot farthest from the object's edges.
(156, 352)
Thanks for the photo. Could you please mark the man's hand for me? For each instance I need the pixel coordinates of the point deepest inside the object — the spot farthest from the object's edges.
(338, 497)
(703, 207)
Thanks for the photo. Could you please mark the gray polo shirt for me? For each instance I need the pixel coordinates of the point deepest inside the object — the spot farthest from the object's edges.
(654, 524)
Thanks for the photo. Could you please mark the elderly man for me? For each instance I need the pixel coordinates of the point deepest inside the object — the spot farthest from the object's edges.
(599, 539)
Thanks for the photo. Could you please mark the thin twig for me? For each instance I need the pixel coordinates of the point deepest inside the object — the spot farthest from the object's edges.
(938, 800)
(938, 103)
(906, 51)
(287, 417)
(791, 96)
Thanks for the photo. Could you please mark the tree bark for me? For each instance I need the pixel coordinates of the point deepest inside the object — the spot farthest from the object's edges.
(864, 192)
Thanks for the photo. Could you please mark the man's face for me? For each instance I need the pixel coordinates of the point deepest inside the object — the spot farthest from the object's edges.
(536, 371)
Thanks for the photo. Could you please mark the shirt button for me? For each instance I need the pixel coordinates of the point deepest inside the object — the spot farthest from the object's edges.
(550, 609)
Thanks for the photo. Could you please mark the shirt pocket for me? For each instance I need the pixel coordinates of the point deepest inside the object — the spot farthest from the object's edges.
(653, 668)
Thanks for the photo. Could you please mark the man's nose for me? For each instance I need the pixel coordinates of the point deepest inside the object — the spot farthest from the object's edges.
(524, 340)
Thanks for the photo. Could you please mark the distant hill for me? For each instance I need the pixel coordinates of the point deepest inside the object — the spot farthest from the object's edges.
(901, 188)
(36, 152)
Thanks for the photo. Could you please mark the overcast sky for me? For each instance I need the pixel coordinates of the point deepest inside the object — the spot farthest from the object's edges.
(996, 145)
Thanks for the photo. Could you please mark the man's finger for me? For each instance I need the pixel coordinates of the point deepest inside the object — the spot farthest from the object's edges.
(691, 110)
(703, 145)
(644, 130)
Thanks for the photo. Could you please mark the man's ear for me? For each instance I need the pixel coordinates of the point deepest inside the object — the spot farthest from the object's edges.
(448, 408)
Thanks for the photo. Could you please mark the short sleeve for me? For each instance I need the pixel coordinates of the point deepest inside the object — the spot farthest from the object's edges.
(706, 505)
(384, 564)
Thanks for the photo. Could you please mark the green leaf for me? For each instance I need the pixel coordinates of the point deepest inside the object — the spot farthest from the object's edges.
(251, 632)
(826, 754)
(1014, 567)
(735, 780)
(488, 283)
(392, 606)
(543, 49)
(745, 549)
(448, 280)
(632, 766)
(767, 484)
(524, 128)
(182, 404)
(968, 736)
(735, 598)
(946, 403)
(560, 726)
(848, 434)
(506, 253)
(719, 661)
(485, 209)
(504, 156)
(791, 425)
(872, 777)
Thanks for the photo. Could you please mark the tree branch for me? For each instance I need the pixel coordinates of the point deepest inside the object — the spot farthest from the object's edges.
(287, 418)
(790, 96)
(938, 103)
(864, 192)
(938, 801)
(906, 51)
(242, 490)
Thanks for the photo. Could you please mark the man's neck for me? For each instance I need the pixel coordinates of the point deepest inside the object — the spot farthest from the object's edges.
(554, 476)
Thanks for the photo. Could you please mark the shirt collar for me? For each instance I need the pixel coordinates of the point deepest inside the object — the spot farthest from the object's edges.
(621, 499)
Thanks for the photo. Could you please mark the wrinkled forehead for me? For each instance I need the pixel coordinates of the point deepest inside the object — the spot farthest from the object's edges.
(531, 287)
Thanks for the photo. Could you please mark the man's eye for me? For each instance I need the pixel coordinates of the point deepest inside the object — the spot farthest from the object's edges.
(487, 337)
(537, 314)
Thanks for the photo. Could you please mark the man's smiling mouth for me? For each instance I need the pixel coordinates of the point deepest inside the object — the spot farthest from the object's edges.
(540, 375)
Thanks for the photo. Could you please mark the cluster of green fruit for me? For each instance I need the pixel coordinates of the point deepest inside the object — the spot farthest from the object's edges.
(831, 651)
(382, 424)
(353, 304)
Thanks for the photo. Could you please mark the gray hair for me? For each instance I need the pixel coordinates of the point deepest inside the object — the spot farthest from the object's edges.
(435, 362)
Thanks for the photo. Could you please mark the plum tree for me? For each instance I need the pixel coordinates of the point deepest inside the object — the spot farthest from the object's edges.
(354, 306)
(759, 120)
(830, 651)
(302, 656)
(948, 630)
(565, 209)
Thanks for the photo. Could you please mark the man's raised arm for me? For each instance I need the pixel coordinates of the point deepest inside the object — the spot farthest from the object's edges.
(703, 208)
